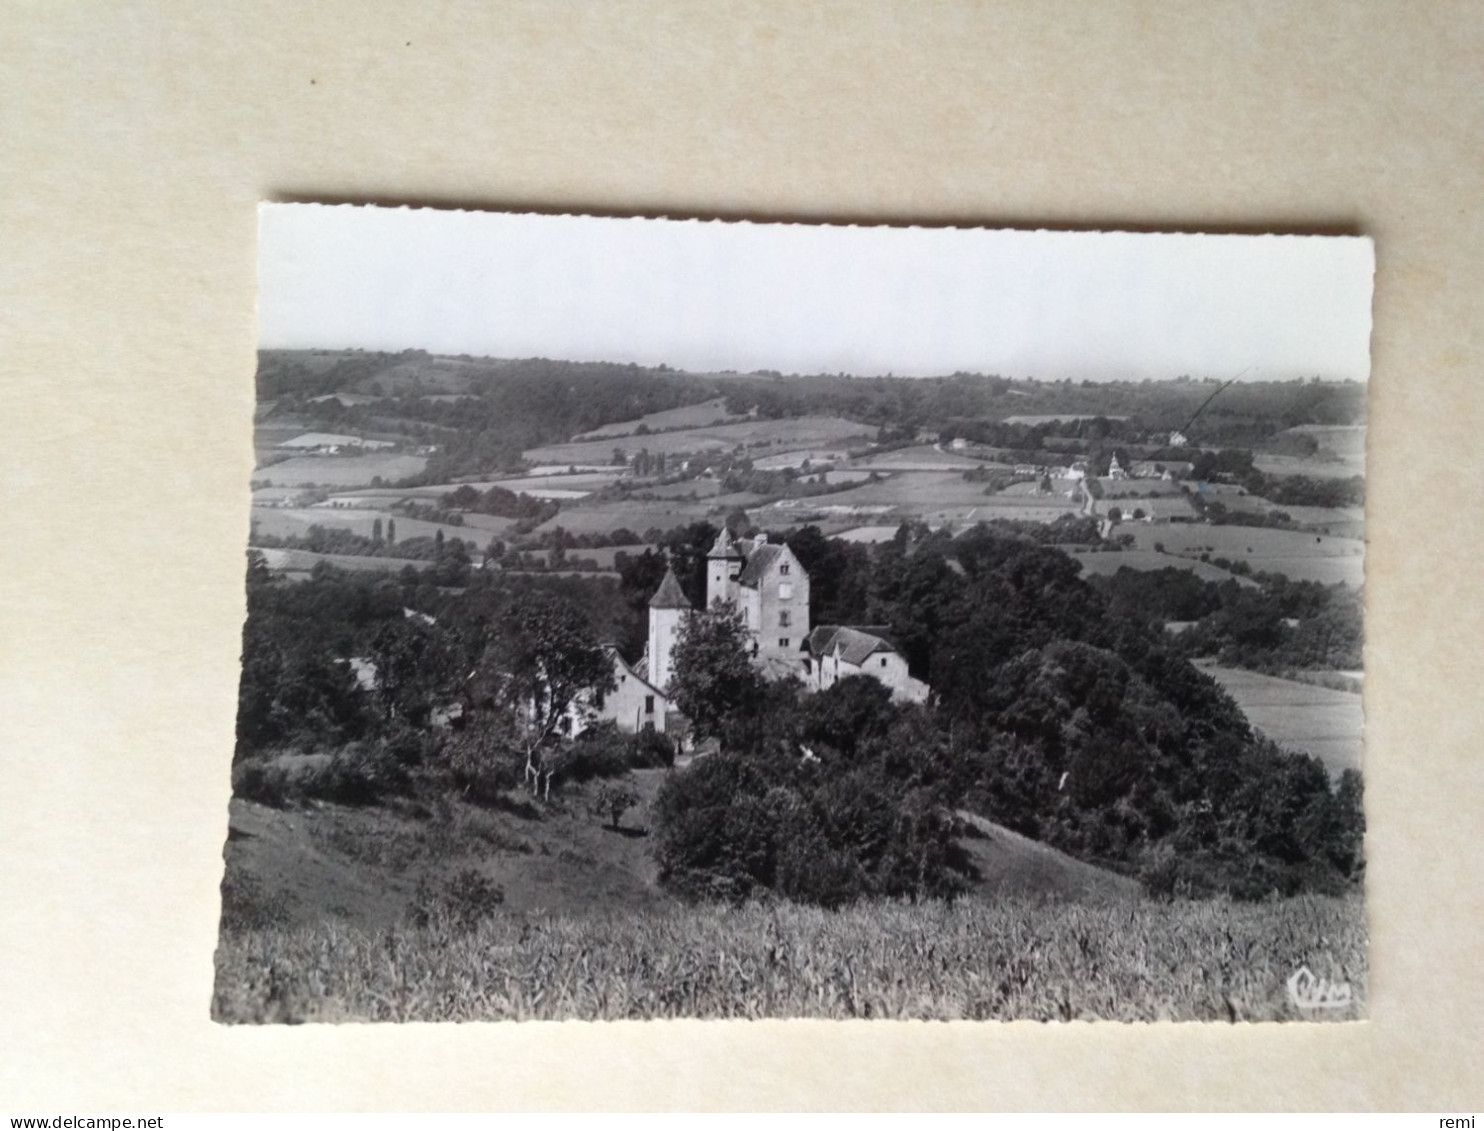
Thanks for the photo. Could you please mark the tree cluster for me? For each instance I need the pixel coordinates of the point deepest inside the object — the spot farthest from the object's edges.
(1060, 712)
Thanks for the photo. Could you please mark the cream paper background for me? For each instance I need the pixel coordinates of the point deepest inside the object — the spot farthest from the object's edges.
(135, 143)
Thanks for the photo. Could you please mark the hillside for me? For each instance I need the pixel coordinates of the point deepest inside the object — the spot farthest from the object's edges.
(361, 866)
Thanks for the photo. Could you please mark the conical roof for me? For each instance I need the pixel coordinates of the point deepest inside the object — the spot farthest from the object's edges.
(669, 594)
(723, 547)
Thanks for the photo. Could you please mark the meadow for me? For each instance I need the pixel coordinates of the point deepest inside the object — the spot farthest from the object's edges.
(930, 488)
(1102, 564)
(794, 432)
(924, 457)
(534, 485)
(638, 515)
(1039, 960)
(1301, 716)
(300, 563)
(289, 522)
(339, 471)
(689, 416)
(1301, 555)
(1313, 467)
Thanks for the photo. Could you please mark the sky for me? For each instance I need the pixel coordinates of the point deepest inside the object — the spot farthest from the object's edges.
(711, 296)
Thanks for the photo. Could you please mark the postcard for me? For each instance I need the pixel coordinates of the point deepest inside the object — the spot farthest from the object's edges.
(665, 619)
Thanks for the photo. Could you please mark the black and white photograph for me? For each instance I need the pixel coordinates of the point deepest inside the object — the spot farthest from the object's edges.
(653, 619)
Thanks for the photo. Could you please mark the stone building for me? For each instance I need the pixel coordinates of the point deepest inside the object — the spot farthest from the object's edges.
(633, 704)
(836, 652)
(768, 586)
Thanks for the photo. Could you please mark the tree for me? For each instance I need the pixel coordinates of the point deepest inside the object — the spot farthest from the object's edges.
(541, 668)
(376, 533)
(391, 532)
(614, 799)
(416, 663)
(715, 684)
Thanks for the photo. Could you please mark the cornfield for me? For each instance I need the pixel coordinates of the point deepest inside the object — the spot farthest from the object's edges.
(1147, 961)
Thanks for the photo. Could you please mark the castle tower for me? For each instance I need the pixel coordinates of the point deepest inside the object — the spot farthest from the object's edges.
(667, 609)
(723, 564)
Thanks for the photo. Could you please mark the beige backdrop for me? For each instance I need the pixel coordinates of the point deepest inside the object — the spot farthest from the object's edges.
(135, 141)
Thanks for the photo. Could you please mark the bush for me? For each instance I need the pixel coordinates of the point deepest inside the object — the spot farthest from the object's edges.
(461, 901)
(359, 773)
(614, 799)
(480, 763)
(601, 751)
(649, 749)
(278, 780)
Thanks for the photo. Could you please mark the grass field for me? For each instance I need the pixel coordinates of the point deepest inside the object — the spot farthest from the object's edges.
(700, 488)
(869, 534)
(1270, 464)
(690, 416)
(751, 434)
(923, 457)
(1302, 556)
(533, 484)
(796, 458)
(319, 932)
(339, 471)
(603, 555)
(1105, 564)
(1345, 440)
(637, 515)
(288, 522)
(918, 489)
(302, 562)
(1301, 716)
(1139, 489)
(1208, 961)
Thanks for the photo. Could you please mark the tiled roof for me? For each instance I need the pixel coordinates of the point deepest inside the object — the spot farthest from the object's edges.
(635, 670)
(723, 546)
(777, 667)
(669, 595)
(855, 646)
(757, 565)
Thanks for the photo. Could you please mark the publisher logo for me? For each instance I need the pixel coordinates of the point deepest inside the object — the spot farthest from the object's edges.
(1308, 992)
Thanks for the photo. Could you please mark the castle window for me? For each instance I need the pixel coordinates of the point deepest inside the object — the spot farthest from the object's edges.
(785, 591)
(783, 569)
(883, 661)
(783, 619)
(649, 704)
(783, 642)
